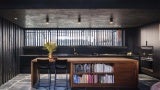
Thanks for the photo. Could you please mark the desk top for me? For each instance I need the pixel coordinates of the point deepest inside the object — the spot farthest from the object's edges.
(92, 59)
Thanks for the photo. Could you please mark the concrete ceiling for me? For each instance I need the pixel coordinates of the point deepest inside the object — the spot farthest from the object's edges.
(90, 18)
(94, 13)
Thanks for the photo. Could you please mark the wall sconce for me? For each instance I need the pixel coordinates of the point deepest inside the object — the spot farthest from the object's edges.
(47, 19)
(79, 18)
(111, 19)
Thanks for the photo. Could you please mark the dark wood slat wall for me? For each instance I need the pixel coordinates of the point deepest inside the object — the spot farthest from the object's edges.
(11, 38)
(132, 38)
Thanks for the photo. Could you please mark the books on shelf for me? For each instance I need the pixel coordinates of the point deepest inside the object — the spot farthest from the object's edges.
(88, 78)
(103, 68)
(93, 73)
(97, 68)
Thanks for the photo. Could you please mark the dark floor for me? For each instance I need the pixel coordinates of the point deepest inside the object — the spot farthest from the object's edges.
(22, 82)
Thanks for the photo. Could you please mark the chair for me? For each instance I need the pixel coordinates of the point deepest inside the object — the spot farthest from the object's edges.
(44, 65)
(155, 86)
(61, 65)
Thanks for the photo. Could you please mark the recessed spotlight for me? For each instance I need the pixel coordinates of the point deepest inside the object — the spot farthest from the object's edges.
(15, 18)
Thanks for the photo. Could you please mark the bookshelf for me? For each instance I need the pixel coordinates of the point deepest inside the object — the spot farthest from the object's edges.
(93, 73)
(104, 73)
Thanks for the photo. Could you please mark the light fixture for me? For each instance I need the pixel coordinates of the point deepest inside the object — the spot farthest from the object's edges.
(79, 18)
(111, 19)
(47, 19)
(15, 18)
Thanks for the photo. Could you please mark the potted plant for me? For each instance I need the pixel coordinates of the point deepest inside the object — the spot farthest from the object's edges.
(51, 47)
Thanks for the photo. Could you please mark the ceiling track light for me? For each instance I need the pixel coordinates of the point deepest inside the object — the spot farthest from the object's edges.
(111, 19)
(79, 18)
(47, 19)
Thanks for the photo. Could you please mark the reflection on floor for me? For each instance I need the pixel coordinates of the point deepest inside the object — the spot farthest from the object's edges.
(22, 82)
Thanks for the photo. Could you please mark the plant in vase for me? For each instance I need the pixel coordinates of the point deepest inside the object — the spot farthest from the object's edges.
(50, 47)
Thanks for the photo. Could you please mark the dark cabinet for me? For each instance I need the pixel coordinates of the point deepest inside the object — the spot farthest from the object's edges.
(146, 58)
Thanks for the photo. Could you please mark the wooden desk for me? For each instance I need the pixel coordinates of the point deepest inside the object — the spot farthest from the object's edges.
(120, 64)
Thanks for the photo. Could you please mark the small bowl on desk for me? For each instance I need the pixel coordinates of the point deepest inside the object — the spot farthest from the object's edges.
(129, 53)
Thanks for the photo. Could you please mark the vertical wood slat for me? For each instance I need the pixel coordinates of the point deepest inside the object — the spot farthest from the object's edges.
(5, 49)
(1, 64)
(4, 57)
(12, 51)
(16, 34)
(9, 51)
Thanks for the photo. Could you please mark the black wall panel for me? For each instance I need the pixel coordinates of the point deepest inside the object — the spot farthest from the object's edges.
(11, 43)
